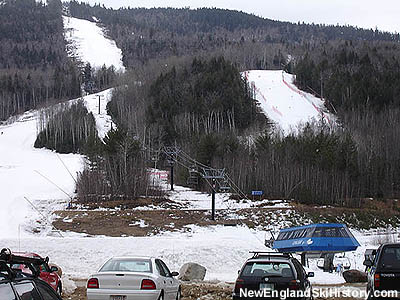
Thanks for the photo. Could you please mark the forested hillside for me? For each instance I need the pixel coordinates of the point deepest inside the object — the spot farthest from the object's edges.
(34, 66)
(322, 165)
(352, 74)
(250, 41)
(183, 88)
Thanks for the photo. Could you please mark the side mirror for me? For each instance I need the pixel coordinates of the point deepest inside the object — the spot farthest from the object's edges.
(238, 272)
(174, 274)
(310, 274)
(374, 252)
(46, 259)
(53, 269)
(367, 263)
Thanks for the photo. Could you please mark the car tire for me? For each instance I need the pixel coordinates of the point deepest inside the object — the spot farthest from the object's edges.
(178, 294)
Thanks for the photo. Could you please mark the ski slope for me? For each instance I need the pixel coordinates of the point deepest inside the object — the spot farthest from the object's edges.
(88, 43)
(103, 120)
(23, 173)
(283, 103)
(38, 174)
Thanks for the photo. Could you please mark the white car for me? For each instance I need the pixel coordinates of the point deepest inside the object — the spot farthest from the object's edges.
(138, 278)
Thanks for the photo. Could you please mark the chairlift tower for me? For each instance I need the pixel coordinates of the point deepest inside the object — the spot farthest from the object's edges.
(214, 177)
(193, 179)
(217, 179)
(171, 154)
(155, 157)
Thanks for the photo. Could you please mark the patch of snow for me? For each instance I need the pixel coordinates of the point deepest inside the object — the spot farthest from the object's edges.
(140, 223)
(68, 285)
(67, 220)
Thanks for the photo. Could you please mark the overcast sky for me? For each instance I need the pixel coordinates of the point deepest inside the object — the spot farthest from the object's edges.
(383, 14)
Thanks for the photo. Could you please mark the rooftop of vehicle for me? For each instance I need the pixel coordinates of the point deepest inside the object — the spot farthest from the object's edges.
(133, 257)
(391, 244)
(269, 259)
(27, 254)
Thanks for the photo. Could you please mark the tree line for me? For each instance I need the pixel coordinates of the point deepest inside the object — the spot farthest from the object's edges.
(34, 66)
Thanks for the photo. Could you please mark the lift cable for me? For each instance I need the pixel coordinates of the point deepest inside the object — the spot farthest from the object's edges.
(186, 161)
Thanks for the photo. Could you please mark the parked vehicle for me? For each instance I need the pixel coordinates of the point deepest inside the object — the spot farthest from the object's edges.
(17, 285)
(47, 273)
(267, 275)
(384, 271)
(138, 278)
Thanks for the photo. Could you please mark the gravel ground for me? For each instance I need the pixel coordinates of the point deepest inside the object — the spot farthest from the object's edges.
(193, 291)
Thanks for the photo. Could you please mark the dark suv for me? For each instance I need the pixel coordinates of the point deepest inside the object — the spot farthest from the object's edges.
(269, 275)
(384, 272)
(17, 285)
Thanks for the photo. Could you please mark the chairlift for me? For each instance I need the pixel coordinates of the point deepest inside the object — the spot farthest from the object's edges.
(224, 186)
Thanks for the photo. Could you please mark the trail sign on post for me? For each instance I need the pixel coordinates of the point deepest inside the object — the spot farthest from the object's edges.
(257, 193)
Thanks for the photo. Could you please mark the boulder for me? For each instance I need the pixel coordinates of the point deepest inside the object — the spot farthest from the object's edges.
(354, 276)
(192, 271)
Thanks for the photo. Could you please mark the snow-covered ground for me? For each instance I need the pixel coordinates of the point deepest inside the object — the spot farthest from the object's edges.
(88, 43)
(38, 174)
(222, 250)
(283, 102)
(23, 173)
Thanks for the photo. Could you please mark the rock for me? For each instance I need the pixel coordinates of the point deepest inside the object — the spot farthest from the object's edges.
(353, 276)
(192, 271)
(59, 272)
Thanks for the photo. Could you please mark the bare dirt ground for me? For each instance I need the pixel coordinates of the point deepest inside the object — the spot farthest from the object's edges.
(131, 222)
(128, 218)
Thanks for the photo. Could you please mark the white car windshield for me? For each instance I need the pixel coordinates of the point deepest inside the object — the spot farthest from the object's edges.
(127, 265)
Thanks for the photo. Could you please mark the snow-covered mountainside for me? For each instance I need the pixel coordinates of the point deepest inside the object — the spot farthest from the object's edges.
(88, 43)
(38, 175)
(283, 102)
